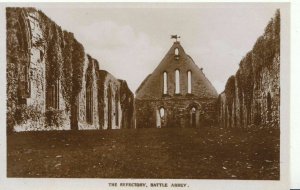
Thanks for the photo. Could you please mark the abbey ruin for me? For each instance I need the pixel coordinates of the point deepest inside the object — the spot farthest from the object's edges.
(176, 94)
(53, 84)
(252, 96)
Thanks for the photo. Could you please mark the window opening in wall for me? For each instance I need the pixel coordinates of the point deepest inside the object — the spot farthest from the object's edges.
(165, 75)
(109, 107)
(41, 55)
(162, 112)
(176, 54)
(193, 117)
(52, 94)
(117, 108)
(176, 51)
(189, 82)
(177, 83)
(89, 105)
(269, 106)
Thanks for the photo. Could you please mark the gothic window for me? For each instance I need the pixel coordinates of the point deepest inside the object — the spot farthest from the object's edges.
(41, 55)
(53, 99)
(189, 82)
(117, 108)
(162, 112)
(193, 109)
(176, 53)
(269, 106)
(193, 117)
(109, 107)
(177, 81)
(165, 90)
(89, 105)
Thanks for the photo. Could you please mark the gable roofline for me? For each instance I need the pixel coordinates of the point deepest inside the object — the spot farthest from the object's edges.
(204, 87)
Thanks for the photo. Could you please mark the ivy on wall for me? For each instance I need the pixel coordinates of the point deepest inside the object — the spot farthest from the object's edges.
(64, 60)
(248, 76)
(17, 55)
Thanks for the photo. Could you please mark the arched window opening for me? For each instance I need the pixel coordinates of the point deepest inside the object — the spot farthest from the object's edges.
(52, 96)
(176, 51)
(269, 106)
(193, 110)
(193, 117)
(117, 108)
(165, 75)
(161, 112)
(109, 107)
(41, 55)
(189, 82)
(89, 105)
(161, 119)
(177, 82)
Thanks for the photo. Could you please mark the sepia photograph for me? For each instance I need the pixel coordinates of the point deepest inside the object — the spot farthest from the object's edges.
(174, 91)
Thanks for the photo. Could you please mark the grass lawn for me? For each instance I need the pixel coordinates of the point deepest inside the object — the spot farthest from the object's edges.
(206, 153)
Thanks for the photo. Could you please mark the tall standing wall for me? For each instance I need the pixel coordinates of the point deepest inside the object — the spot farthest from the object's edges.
(52, 84)
(252, 96)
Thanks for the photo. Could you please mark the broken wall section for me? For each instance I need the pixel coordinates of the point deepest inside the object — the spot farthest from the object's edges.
(44, 71)
(116, 102)
(88, 117)
(252, 96)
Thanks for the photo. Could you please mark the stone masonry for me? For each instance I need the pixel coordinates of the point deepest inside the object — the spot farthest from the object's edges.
(52, 84)
(252, 96)
(176, 94)
(116, 102)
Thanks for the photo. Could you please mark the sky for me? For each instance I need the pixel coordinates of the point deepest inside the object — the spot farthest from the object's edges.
(130, 40)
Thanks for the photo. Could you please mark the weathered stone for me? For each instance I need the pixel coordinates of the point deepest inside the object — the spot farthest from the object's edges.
(115, 103)
(252, 96)
(160, 102)
(52, 83)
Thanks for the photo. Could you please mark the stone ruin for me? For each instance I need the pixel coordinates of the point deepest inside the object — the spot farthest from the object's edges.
(252, 97)
(176, 94)
(52, 84)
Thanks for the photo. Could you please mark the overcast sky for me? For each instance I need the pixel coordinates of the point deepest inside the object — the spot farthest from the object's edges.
(130, 40)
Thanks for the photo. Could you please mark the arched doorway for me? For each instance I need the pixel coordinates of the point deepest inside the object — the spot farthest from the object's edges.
(193, 112)
(193, 117)
(161, 120)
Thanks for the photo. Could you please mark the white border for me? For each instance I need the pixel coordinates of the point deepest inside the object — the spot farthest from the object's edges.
(19, 183)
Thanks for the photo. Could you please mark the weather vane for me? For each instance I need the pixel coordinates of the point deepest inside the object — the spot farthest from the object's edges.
(175, 37)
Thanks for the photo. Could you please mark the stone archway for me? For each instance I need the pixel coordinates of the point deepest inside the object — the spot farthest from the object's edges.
(193, 112)
(109, 107)
(193, 117)
(161, 117)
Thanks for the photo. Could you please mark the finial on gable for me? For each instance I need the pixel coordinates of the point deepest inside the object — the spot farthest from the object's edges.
(175, 37)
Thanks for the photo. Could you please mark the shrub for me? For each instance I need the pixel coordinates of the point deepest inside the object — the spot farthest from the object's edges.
(54, 118)
(24, 113)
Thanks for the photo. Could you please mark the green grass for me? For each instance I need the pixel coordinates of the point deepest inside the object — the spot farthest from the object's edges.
(207, 153)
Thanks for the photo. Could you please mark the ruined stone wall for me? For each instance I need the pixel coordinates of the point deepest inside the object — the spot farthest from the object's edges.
(25, 70)
(90, 68)
(152, 86)
(44, 72)
(52, 84)
(110, 112)
(194, 107)
(177, 111)
(127, 106)
(252, 96)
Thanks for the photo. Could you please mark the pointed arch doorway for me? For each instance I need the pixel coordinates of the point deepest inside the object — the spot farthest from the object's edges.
(194, 115)
(161, 119)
